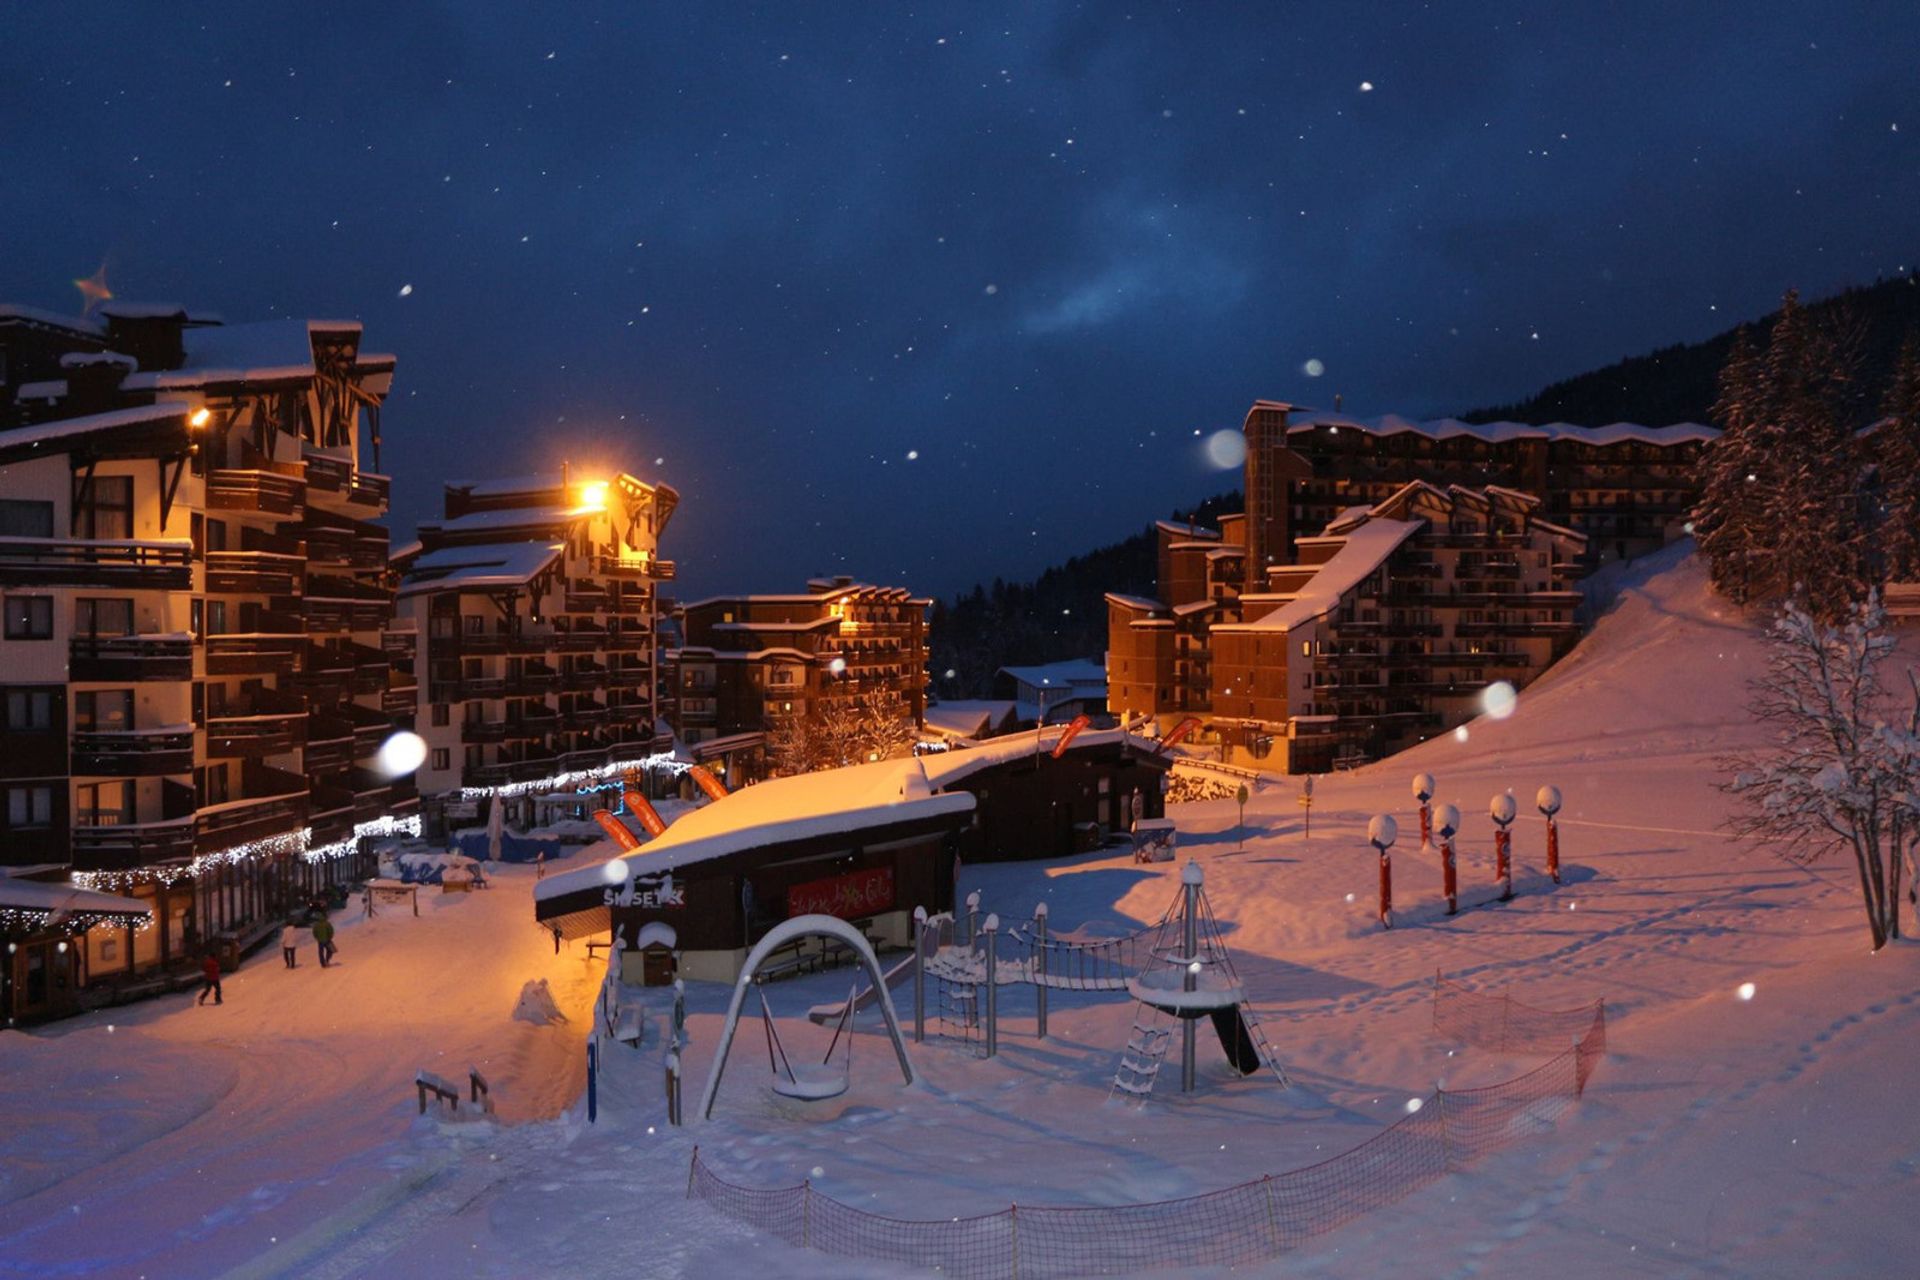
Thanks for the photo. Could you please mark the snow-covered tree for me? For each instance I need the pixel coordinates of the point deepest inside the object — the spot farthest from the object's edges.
(841, 730)
(1896, 452)
(793, 746)
(1778, 515)
(1842, 773)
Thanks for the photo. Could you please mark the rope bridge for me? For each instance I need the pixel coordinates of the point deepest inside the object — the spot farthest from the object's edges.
(1234, 1226)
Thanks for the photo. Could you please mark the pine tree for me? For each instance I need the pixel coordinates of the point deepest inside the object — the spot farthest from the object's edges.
(1778, 515)
(1726, 521)
(1896, 450)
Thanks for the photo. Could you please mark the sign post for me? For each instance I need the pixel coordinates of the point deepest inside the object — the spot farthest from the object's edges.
(1240, 797)
(1306, 807)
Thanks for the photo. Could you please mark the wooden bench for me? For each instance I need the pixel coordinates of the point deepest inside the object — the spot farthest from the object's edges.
(595, 945)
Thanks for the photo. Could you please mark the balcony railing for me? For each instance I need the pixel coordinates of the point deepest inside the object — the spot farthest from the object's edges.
(255, 572)
(273, 802)
(281, 491)
(255, 653)
(613, 567)
(266, 722)
(130, 658)
(133, 753)
(132, 844)
(89, 563)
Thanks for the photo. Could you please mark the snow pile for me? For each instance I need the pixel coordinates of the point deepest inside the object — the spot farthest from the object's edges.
(536, 1004)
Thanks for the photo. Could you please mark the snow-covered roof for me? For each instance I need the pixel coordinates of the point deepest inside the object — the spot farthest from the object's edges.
(656, 933)
(780, 810)
(499, 564)
(1186, 530)
(828, 803)
(1133, 602)
(512, 518)
(967, 717)
(127, 309)
(67, 429)
(42, 895)
(1363, 550)
(261, 351)
(78, 324)
(504, 486)
(88, 359)
(1502, 432)
(1074, 671)
(1192, 607)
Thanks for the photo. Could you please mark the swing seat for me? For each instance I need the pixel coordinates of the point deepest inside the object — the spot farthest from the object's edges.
(812, 1082)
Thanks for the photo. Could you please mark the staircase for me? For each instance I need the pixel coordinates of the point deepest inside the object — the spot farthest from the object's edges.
(1140, 1062)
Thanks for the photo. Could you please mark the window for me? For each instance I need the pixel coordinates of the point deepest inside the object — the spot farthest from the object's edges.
(29, 617)
(29, 807)
(474, 624)
(106, 509)
(212, 782)
(103, 711)
(25, 518)
(29, 710)
(95, 617)
(473, 759)
(440, 718)
(104, 804)
(216, 617)
(440, 762)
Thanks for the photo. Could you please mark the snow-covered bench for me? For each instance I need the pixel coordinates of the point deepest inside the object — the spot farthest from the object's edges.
(629, 1024)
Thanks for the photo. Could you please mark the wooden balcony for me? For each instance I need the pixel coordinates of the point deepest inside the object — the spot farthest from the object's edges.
(82, 562)
(277, 489)
(483, 731)
(612, 567)
(255, 573)
(329, 742)
(276, 804)
(130, 659)
(629, 677)
(132, 844)
(258, 653)
(340, 613)
(266, 723)
(135, 753)
(369, 490)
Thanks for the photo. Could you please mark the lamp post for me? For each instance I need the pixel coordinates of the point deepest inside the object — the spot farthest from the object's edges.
(1381, 833)
(1501, 809)
(1446, 821)
(1548, 799)
(1423, 792)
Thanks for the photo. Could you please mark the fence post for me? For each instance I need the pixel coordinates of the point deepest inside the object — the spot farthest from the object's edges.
(973, 914)
(593, 1081)
(673, 1088)
(1273, 1219)
(693, 1166)
(992, 929)
(919, 975)
(1013, 1219)
(1040, 969)
(679, 1011)
(1446, 1139)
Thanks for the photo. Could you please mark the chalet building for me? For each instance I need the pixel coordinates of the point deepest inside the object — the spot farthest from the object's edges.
(748, 663)
(1055, 692)
(1391, 627)
(195, 665)
(535, 603)
(867, 843)
(1628, 488)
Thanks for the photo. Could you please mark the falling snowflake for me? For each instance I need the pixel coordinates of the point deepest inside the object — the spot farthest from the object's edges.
(1313, 368)
(406, 290)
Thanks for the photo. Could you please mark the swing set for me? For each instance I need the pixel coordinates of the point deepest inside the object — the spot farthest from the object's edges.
(810, 1082)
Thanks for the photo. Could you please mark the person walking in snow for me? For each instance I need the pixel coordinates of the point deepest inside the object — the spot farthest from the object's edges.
(323, 939)
(210, 979)
(540, 865)
(290, 943)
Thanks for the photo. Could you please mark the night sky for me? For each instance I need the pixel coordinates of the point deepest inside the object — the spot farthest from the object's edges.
(932, 297)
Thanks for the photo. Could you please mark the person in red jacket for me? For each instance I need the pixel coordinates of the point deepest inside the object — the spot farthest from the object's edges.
(210, 971)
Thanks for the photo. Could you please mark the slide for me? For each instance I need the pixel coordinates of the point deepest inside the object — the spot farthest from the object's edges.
(1236, 1040)
(822, 1014)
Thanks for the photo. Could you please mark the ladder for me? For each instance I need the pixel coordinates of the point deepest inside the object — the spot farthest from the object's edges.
(1268, 1054)
(1140, 1062)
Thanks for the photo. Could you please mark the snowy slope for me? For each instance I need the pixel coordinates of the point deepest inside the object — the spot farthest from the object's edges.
(1722, 1137)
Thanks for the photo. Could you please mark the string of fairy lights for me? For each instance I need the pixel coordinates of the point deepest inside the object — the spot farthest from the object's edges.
(284, 844)
(41, 919)
(583, 781)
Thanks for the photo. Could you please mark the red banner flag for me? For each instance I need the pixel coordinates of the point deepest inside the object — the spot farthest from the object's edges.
(714, 788)
(1074, 727)
(627, 841)
(637, 806)
(1180, 731)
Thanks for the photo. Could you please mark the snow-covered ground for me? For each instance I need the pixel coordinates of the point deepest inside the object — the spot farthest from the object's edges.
(1770, 1136)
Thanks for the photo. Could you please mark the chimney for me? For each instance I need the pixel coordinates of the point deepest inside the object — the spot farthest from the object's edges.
(93, 380)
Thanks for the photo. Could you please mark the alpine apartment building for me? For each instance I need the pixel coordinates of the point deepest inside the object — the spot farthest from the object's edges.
(1586, 495)
(536, 605)
(747, 664)
(195, 666)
